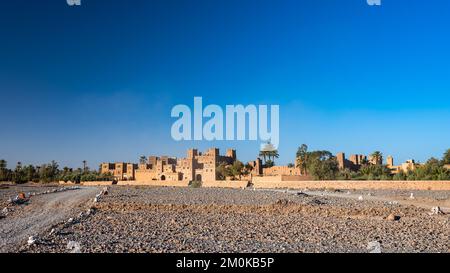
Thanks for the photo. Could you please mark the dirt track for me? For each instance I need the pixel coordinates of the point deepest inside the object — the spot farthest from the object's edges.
(42, 212)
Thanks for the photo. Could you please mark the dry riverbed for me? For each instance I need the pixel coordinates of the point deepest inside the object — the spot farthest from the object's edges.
(150, 219)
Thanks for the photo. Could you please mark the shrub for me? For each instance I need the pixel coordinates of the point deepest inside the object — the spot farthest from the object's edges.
(195, 184)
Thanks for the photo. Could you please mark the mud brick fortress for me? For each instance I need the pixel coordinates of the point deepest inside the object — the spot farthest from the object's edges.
(196, 166)
(355, 162)
(120, 171)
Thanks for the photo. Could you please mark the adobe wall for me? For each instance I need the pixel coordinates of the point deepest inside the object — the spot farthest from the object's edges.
(154, 183)
(357, 185)
(266, 179)
(279, 178)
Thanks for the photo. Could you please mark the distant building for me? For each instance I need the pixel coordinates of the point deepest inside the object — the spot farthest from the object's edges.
(354, 164)
(356, 161)
(409, 165)
(120, 171)
(196, 166)
(281, 170)
(390, 161)
(257, 167)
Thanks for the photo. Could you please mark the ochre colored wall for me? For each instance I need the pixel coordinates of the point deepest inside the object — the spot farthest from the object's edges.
(394, 185)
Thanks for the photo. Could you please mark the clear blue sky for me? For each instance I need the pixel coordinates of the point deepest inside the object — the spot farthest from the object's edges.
(97, 82)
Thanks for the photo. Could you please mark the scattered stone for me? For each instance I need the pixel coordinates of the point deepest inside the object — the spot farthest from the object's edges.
(89, 211)
(282, 202)
(20, 199)
(360, 198)
(316, 202)
(374, 247)
(393, 217)
(31, 240)
(436, 211)
(302, 194)
(73, 247)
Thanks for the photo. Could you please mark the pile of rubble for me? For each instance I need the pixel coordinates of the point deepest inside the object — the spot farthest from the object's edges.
(20, 199)
(436, 211)
(104, 191)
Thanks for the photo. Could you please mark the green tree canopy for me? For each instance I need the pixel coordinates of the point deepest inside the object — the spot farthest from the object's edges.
(322, 165)
(446, 158)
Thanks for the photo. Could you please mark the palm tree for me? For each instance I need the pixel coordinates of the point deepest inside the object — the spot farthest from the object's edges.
(3, 172)
(377, 158)
(3, 164)
(268, 151)
(143, 160)
(84, 165)
(364, 161)
(446, 158)
(302, 158)
(263, 154)
(273, 154)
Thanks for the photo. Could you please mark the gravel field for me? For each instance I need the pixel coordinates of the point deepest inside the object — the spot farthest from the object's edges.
(150, 219)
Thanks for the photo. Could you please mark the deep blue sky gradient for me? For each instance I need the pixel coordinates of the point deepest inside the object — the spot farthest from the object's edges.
(97, 82)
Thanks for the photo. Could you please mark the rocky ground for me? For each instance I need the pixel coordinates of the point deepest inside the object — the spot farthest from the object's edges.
(147, 219)
(42, 207)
